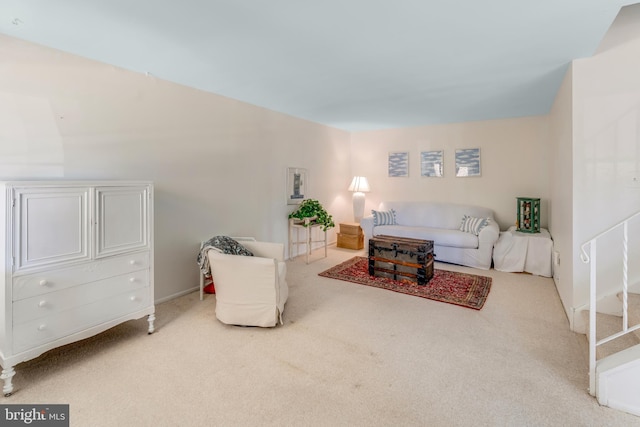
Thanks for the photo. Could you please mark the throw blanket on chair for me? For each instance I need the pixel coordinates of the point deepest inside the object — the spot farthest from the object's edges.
(222, 244)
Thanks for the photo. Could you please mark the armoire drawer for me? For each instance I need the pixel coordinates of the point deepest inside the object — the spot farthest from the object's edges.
(40, 331)
(53, 302)
(52, 280)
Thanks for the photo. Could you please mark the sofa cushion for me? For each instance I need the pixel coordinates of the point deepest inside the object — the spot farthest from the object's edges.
(473, 225)
(384, 217)
(434, 214)
(440, 236)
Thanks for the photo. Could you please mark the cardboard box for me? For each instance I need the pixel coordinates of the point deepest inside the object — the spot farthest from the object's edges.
(349, 241)
(351, 228)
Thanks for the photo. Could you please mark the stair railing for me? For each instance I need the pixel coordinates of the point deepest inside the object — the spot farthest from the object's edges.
(590, 258)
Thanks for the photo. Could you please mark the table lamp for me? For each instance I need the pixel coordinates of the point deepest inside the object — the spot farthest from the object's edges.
(359, 185)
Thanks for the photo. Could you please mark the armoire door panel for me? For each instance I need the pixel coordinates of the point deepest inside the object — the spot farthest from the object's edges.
(52, 227)
(122, 219)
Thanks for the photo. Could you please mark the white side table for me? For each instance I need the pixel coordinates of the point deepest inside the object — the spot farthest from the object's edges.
(524, 252)
(306, 225)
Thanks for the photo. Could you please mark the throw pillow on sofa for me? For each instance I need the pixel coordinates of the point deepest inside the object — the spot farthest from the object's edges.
(472, 224)
(384, 217)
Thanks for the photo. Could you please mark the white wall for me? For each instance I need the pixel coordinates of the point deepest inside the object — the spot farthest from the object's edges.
(219, 165)
(606, 153)
(561, 182)
(514, 157)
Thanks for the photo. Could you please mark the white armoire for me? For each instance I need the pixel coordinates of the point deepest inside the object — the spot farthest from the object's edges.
(77, 258)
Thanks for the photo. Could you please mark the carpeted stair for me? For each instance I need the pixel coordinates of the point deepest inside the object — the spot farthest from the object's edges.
(607, 325)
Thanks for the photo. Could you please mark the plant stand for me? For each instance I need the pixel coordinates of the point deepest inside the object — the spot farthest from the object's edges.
(307, 225)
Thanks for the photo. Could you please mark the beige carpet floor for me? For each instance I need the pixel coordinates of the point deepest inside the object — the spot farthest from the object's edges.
(347, 355)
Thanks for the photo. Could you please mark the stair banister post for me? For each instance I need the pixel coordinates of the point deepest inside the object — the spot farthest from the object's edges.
(625, 284)
(592, 319)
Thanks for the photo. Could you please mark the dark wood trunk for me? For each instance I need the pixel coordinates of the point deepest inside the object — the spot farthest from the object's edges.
(401, 258)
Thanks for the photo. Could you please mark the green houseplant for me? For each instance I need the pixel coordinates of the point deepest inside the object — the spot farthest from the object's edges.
(310, 208)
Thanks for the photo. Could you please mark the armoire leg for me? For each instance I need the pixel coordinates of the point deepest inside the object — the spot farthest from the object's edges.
(151, 319)
(7, 376)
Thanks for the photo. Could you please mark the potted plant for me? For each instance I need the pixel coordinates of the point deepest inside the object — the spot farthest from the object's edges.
(311, 212)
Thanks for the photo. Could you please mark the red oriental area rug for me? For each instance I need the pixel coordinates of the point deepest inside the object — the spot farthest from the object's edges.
(466, 290)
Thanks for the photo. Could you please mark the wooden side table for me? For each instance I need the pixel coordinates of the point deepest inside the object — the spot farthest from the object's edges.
(350, 236)
(307, 225)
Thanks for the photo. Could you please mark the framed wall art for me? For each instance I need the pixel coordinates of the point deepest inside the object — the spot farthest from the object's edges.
(399, 164)
(297, 184)
(468, 162)
(431, 163)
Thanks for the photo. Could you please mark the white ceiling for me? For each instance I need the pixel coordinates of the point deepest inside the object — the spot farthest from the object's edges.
(351, 64)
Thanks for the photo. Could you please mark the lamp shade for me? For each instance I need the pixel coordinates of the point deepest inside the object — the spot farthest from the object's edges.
(359, 184)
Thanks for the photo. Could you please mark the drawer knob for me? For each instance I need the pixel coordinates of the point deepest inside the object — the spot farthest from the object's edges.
(42, 303)
(42, 327)
(132, 279)
(133, 298)
(132, 262)
(43, 282)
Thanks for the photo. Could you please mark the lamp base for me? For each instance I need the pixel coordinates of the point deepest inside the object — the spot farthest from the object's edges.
(358, 206)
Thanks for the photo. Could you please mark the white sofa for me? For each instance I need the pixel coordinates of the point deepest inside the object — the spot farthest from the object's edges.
(440, 222)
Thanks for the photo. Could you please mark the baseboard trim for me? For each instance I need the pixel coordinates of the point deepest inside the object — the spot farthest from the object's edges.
(177, 295)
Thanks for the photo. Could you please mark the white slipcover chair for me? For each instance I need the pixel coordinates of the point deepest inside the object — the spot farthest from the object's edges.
(250, 290)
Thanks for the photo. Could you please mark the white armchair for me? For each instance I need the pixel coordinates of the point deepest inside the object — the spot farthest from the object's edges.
(250, 290)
